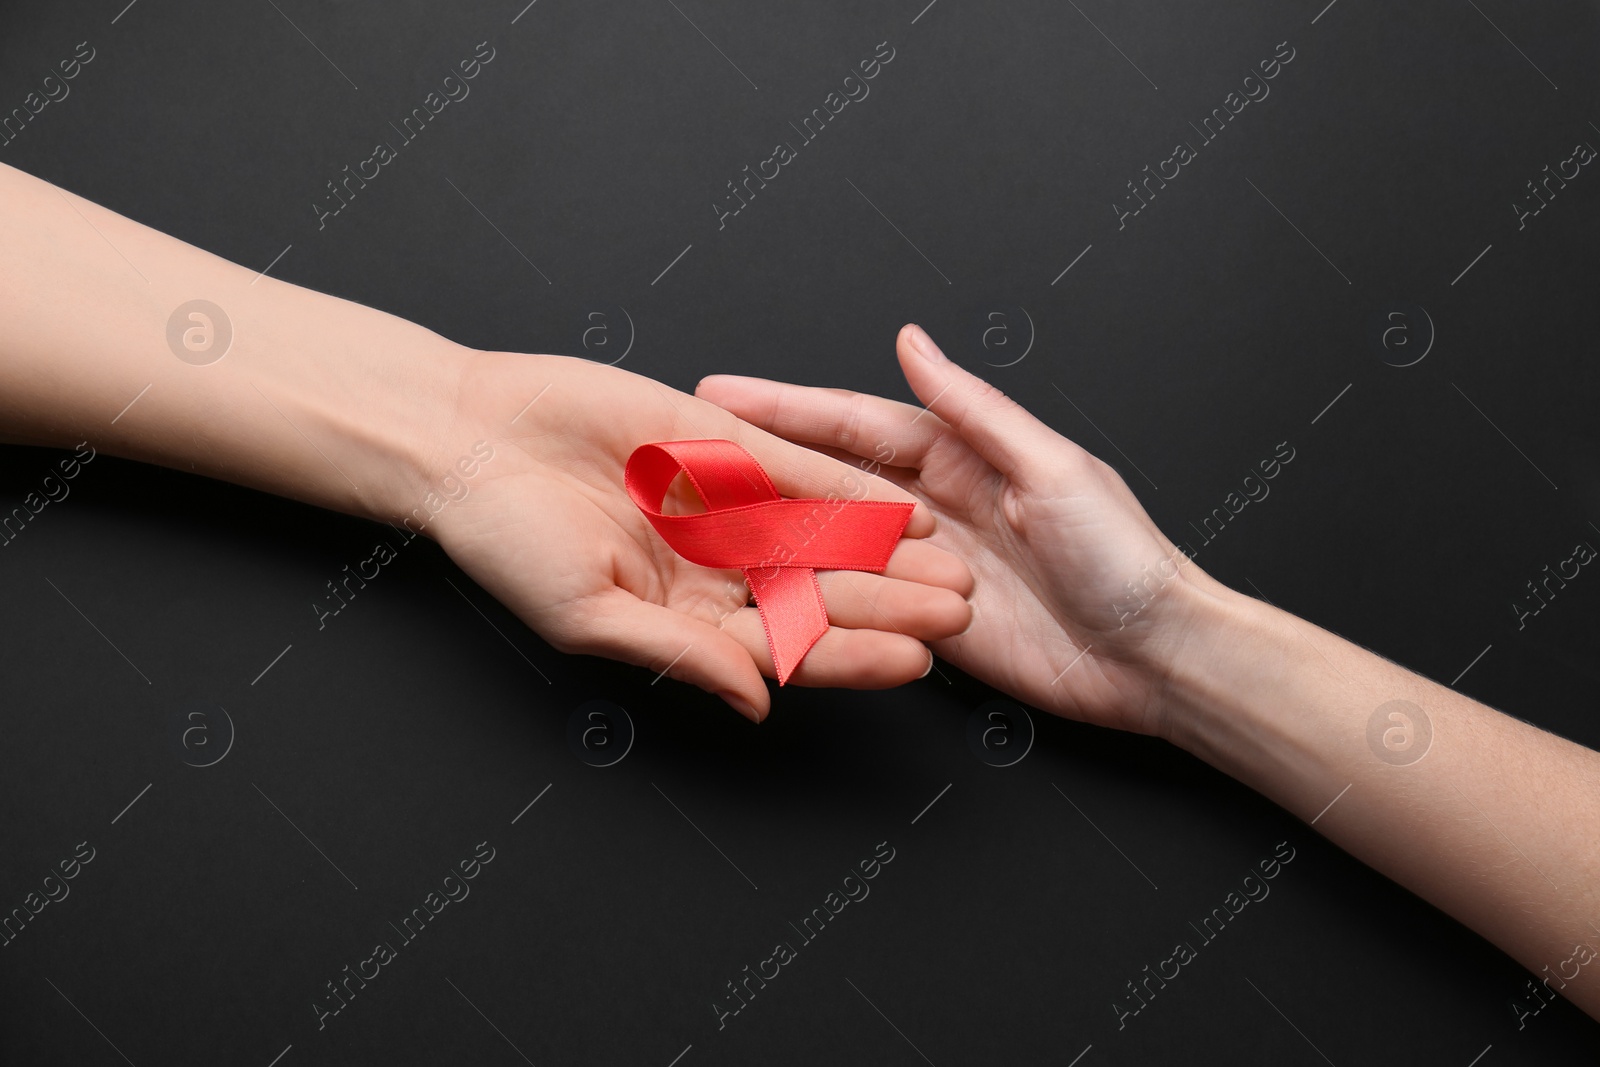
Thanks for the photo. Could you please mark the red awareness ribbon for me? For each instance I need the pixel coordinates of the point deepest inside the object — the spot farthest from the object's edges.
(778, 543)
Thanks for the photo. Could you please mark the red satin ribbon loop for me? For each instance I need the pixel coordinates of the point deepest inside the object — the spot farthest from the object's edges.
(779, 544)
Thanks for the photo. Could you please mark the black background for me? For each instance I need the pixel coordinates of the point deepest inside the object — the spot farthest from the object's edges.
(1196, 339)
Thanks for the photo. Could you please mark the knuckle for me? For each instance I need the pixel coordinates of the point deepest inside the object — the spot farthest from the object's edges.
(991, 396)
(849, 430)
(979, 399)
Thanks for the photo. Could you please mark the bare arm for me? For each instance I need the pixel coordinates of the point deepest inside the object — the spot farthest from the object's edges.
(86, 296)
(1494, 821)
(1083, 608)
(514, 463)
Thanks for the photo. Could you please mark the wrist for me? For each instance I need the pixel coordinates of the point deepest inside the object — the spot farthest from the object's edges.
(398, 422)
(1268, 699)
(1226, 653)
(319, 399)
(1197, 664)
(372, 403)
(210, 367)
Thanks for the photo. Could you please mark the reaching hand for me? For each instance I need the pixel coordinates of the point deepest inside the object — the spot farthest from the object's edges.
(549, 529)
(1076, 590)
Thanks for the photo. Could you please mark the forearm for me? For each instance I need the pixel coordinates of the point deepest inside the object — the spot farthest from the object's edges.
(1492, 820)
(315, 398)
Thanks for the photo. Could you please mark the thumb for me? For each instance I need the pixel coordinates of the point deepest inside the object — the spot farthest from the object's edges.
(997, 427)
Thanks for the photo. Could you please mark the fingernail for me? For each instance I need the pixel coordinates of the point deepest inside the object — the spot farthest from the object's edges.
(929, 671)
(740, 704)
(923, 345)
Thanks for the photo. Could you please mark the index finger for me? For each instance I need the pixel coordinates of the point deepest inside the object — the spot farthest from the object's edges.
(880, 430)
(800, 472)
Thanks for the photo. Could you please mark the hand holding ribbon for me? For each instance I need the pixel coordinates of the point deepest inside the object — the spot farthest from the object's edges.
(777, 543)
(551, 532)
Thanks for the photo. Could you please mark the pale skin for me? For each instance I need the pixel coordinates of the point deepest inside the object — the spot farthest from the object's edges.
(336, 404)
(1498, 824)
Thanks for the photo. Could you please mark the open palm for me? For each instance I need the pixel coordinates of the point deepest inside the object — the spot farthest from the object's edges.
(549, 529)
